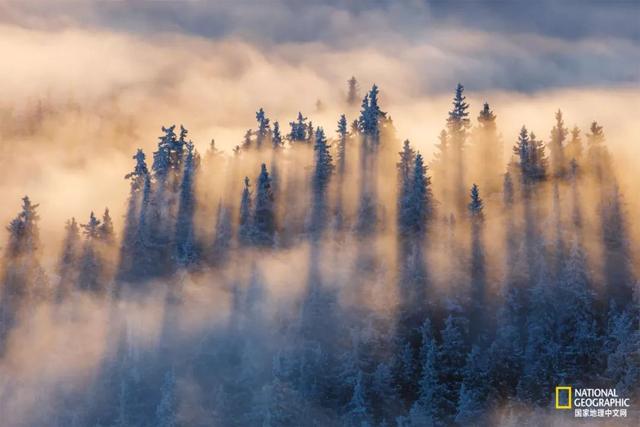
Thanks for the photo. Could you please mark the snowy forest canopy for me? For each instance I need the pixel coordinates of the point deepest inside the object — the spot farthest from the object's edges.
(320, 277)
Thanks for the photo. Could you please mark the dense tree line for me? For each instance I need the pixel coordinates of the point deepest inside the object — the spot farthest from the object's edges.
(483, 351)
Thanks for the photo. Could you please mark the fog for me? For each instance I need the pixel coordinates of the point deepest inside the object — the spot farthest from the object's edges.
(86, 84)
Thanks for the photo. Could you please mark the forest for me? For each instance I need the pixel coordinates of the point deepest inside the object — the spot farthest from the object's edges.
(331, 277)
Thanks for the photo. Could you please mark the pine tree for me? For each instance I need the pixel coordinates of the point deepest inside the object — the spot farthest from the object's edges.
(143, 251)
(298, 129)
(131, 225)
(24, 281)
(264, 129)
(106, 232)
(371, 116)
(506, 351)
(357, 413)
(405, 176)
(621, 348)
(451, 361)
(441, 169)
(541, 349)
(310, 133)
(245, 227)
(223, 234)
(164, 158)
(556, 147)
(385, 400)
(420, 199)
(478, 273)
(472, 408)
(574, 146)
(276, 140)
(617, 260)
(68, 264)
(577, 328)
(343, 133)
(532, 161)
(186, 251)
(92, 265)
(457, 126)
(247, 141)
(264, 225)
(425, 410)
(166, 411)
(487, 150)
(598, 158)
(323, 169)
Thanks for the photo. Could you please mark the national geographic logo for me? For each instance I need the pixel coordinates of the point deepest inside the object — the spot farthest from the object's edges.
(592, 402)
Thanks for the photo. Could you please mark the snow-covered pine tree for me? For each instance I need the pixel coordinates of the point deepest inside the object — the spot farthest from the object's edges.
(323, 169)
(264, 222)
(24, 281)
(405, 177)
(263, 134)
(69, 262)
(245, 227)
(451, 361)
(92, 266)
(487, 151)
(137, 179)
(472, 407)
(458, 124)
(298, 132)
(186, 248)
(478, 269)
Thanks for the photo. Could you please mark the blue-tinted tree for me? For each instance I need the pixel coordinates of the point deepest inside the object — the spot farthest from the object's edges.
(298, 129)
(186, 250)
(426, 409)
(341, 165)
(457, 128)
(92, 266)
(136, 179)
(405, 175)
(223, 235)
(247, 140)
(532, 162)
(487, 151)
(357, 413)
(478, 269)
(621, 348)
(23, 281)
(69, 262)
(541, 348)
(472, 408)
(323, 169)
(166, 411)
(451, 361)
(245, 227)
(264, 222)
(263, 134)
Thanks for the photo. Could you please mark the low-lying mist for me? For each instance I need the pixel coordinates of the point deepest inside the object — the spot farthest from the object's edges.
(350, 276)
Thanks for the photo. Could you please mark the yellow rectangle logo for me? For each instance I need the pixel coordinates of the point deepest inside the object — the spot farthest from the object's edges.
(566, 389)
